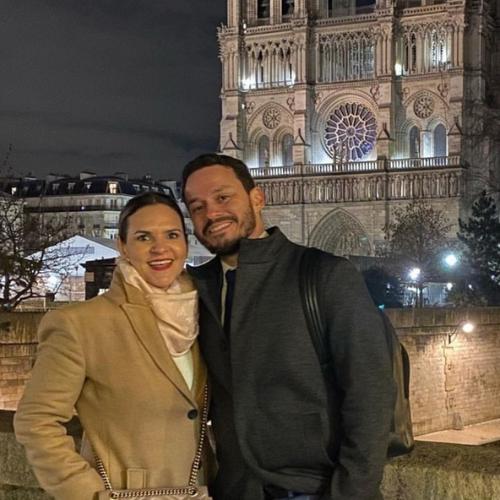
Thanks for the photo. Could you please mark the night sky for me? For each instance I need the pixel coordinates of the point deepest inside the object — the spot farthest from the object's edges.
(109, 85)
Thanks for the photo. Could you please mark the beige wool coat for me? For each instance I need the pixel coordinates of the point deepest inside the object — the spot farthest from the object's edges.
(107, 359)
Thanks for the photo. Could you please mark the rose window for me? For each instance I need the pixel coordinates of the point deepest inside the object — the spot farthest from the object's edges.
(350, 131)
(271, 118)
(424, 106)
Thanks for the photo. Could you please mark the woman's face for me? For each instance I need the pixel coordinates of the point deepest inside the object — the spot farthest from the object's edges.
(156, 245)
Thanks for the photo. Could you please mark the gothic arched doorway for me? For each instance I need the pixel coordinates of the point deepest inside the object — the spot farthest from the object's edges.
(341, 234)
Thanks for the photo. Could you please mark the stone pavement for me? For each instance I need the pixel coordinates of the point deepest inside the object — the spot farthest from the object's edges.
(476, 434)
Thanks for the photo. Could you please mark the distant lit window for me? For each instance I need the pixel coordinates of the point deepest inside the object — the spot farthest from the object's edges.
(113, 187)
(87, 186)
(13, 190)
(71, 186)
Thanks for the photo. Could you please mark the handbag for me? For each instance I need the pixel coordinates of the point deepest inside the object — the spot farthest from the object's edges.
(191, 491)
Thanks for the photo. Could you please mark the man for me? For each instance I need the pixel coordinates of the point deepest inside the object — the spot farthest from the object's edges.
(281, 431)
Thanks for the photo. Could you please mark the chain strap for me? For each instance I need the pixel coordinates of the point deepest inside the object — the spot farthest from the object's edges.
(190, 489)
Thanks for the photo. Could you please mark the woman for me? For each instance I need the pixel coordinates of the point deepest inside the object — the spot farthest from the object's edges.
(128, 362)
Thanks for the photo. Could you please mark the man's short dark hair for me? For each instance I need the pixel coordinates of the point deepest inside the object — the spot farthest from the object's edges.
(208, 160)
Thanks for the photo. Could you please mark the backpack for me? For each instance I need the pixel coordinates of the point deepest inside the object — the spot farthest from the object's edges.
(401, 433)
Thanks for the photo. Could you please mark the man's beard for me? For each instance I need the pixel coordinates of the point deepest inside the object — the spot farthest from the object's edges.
(230, 246)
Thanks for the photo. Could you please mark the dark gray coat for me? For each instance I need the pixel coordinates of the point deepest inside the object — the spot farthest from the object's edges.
(275, 420)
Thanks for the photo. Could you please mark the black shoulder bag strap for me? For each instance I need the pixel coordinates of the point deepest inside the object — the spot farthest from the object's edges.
(308, 280)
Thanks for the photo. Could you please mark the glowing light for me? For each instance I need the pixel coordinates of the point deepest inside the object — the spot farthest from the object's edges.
(468, 327)
(451, 260)
(449, 286)
(398, 69)
(414, 273)
(246, 83)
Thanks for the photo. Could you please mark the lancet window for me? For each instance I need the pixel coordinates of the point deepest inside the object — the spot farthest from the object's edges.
(263, 9)
(439, 140)
(263, 151)
(346, 56)
(287, 150)
(414, 138)
(287, 7)
(268, 65)
(426, 48)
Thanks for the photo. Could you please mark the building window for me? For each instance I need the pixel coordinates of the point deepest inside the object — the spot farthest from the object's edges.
(263, 147)
(287, 150)
(263, 9)
(439, 49)
(439, 134)
(113, 187)
(414, 142)
(346, 57)
(350, 132)
(287, 7)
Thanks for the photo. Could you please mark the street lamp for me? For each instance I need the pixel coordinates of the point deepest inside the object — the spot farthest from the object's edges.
(465, 326)
(451, 260)
(414, 273)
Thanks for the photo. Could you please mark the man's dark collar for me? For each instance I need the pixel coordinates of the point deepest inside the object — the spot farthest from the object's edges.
(257, 250)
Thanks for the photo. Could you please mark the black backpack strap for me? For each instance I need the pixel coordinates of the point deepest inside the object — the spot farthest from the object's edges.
(308, 283)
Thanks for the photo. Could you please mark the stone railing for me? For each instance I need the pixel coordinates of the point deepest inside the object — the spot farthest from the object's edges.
(310, 169)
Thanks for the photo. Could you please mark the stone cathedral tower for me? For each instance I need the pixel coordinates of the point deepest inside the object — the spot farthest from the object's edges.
(346, 109)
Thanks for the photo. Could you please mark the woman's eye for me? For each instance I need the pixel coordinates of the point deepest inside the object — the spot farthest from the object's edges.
(142, 237)
(173, 236)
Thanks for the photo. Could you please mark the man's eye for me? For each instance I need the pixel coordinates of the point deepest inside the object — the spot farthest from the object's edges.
(223, 197)
(195, 208)
(173, 235)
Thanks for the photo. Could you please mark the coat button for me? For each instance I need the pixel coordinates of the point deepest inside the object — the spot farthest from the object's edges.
(192, 414)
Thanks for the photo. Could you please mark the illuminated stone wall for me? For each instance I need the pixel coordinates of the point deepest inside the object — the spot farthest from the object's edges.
(452, 384)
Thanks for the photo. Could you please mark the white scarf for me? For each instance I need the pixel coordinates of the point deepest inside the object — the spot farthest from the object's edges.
(175, 308)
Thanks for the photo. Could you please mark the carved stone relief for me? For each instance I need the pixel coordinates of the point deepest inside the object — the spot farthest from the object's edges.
(271, 118)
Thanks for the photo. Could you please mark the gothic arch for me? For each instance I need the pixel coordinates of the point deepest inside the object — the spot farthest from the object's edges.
(340, 233)
(256, 120)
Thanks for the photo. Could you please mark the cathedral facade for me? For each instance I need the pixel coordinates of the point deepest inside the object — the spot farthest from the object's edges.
(346, 109)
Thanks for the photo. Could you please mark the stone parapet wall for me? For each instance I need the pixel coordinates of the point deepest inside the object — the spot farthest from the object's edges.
(17, 354)
(452, 384)
(433, 471)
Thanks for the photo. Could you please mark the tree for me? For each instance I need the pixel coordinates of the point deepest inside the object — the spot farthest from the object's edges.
(26, 256)
(416, 238)
(480, 238)
(385, 289)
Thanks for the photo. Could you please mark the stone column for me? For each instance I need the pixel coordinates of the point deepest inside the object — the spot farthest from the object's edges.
(233, 13)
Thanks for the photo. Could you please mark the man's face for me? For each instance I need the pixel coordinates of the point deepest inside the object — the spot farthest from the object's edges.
(222, 211)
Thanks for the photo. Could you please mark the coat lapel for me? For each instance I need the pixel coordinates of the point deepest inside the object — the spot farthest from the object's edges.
(144, 325)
